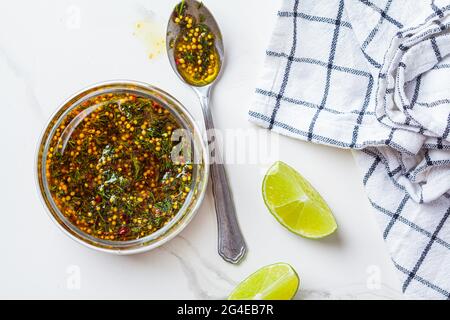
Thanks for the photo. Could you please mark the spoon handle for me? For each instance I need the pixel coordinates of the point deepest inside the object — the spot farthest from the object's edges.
(232, 246)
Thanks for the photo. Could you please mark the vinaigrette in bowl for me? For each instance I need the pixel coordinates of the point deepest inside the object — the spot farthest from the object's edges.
(121, 166)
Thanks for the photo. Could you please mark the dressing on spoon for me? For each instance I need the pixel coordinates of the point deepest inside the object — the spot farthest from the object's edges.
(195, 52)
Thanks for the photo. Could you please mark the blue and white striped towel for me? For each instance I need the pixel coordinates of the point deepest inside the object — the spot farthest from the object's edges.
(374, 76)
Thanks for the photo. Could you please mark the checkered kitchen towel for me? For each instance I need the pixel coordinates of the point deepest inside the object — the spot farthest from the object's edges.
(374, 76)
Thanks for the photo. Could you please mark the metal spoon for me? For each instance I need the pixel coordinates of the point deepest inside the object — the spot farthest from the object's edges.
(231, 242)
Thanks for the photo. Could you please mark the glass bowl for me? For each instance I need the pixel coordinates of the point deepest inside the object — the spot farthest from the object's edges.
(199, 179)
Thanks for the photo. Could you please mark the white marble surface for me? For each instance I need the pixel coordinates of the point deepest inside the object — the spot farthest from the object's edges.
(50, 49)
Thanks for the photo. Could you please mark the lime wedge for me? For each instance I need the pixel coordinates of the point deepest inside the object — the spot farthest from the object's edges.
(295, 203)
(274, 282)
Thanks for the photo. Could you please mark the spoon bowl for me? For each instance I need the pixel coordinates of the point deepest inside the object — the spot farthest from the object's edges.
(201, 13)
